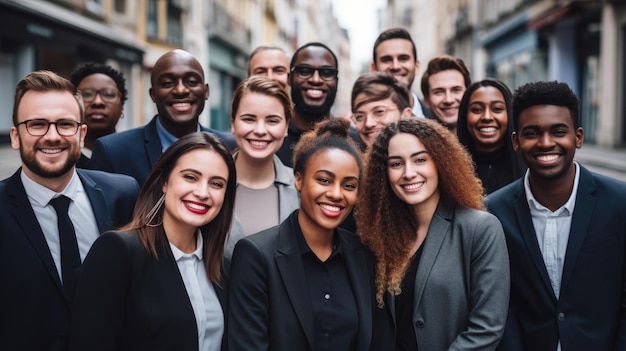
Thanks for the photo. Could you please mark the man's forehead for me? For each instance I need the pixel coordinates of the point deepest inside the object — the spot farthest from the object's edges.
(315, 54)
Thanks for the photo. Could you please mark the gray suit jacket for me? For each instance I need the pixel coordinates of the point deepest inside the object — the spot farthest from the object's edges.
(462, 282)
(288, 201)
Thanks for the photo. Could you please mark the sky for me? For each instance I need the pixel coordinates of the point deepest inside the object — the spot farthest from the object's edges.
(361, 19)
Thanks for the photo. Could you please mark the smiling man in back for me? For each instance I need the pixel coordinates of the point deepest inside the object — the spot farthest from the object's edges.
(179, 92)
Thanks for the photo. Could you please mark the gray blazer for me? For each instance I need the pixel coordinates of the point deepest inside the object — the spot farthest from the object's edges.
(462, 282)
(288, 201)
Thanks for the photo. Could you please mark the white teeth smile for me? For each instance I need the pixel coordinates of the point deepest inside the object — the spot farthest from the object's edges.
(182, 104)
(330, 208)
(547, 158)
(314, 92)
(51, 151)
(259, 143)
(196, 206)
(488, 130)
(412, 186)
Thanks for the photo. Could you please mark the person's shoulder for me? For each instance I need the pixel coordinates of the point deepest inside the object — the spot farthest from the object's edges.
(114, 179)
(506, 193)
(130, 134)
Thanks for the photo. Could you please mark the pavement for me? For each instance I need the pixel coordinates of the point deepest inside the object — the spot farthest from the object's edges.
(610, 162)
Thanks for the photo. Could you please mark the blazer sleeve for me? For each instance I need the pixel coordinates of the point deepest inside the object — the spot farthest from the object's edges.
(489, 285)
(248, 316)
(100, 158)
(100, 295)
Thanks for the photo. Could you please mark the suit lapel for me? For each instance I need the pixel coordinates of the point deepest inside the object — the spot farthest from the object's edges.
(154, 149)
(527, 231)
(585, 203)
(26, 219)
(98, 202)
(289, 262)
(358, 271)
(437, 232)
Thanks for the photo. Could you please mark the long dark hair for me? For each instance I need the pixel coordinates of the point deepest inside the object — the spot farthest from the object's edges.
(147, 218)
(515, 164)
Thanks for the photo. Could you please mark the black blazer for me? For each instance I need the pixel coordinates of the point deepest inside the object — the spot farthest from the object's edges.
(34, 310)
(590, 313)
(126, 299)
(270, 307)
(134, 152)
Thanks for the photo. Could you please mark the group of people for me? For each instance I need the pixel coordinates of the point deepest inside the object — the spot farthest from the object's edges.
(456, 222)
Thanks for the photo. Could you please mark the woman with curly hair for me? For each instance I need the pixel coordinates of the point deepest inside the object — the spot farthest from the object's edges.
(440, 257)
(308, 284)
(484, 127)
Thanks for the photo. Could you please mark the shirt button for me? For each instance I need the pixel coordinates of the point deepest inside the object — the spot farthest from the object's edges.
(561, 316)
(327, 296)
(419, 324)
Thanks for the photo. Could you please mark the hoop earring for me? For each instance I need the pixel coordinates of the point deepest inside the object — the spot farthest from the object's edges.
(154, 211)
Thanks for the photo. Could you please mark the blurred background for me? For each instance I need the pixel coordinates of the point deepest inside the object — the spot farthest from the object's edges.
(582, 43)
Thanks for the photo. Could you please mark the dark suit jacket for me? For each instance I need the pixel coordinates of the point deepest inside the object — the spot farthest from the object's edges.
(128, 300)
(34, 310)
(591, 311)
(134, 152)
(270, 306)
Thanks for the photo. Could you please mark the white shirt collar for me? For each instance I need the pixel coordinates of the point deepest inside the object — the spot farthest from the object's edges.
(568, 206)
(42, 195)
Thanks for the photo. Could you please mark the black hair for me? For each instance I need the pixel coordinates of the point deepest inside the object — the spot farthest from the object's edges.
(545, 93)
(295, 54)
(90, 68)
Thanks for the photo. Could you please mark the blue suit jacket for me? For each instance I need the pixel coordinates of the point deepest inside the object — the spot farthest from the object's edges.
(134, 152)
(34, 310)
(591, 311)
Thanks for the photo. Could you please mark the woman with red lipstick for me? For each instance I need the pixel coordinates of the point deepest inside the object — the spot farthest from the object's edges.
(442, 269)
(484, 127)
(260, 114)
(307, 284)
(158, 282)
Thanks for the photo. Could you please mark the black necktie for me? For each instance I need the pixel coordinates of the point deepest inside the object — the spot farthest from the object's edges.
(70, 258)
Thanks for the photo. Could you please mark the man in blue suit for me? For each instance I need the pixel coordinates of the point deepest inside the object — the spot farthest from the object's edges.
(49, 130)
(566, 233)
(179, 91)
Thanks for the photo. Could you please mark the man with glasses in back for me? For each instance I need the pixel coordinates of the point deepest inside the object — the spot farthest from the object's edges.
(104, 92)
(50, 213)
(313, 80)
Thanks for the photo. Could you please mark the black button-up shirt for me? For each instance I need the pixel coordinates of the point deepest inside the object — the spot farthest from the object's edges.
(332, 300)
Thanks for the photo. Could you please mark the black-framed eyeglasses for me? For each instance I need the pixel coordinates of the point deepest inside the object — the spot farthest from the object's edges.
(306, 72)
(377, 113)
(39, 127)
(106, 94)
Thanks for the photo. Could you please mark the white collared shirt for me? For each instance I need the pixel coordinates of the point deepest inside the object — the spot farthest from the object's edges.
(80, 213)
(552, 230)
(417, 107)
(206, 307)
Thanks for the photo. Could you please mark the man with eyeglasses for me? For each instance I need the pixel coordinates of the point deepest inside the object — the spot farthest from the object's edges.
(378, 98)
(50, 213)
(179, 91)
(313, 80)
(104, 92)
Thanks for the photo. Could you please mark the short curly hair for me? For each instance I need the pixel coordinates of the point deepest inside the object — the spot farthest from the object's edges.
(386, 224)
(379, 86)
(87, 69)
(545, 93)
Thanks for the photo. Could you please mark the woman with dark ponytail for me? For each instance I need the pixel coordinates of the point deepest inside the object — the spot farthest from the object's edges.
(307, 284)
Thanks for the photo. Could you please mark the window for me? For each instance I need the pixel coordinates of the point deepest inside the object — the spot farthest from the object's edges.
(120, 6)
(152, 25)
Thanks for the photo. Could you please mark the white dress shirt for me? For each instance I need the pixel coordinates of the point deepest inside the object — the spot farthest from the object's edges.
(206, 307)
(80, 213)
(417, 107)
(552, 230)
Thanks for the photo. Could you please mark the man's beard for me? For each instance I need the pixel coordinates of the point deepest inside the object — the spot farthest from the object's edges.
(30, 161)
(315, 113)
